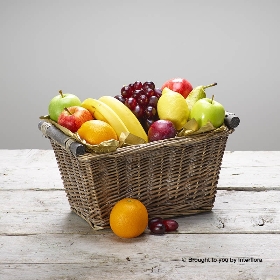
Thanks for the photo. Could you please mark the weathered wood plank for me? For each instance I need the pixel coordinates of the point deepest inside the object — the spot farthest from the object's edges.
(251, 158)
(19, 178)
(41, 158)
(40, 165)
(27, 157)
(230, 178)
(33, 212)
(123, 270)
(152, 269)
(46, 256)
(242, 170)
(27, 169)
(56, 200)
(217, 221)
(250, 170)
(259, 178)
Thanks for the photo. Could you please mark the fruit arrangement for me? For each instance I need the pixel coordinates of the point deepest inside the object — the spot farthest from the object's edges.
(140, 113)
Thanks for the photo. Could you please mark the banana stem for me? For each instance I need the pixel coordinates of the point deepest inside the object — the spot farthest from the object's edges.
(210, 85)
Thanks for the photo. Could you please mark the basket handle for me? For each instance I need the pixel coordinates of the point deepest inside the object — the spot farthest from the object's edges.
(231, 120)
(62, 139)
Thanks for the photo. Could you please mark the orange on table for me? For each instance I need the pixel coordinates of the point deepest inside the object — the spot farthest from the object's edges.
(129, 218)
(96, 131)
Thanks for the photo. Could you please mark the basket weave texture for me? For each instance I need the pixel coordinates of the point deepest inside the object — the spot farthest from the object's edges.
(172, 177)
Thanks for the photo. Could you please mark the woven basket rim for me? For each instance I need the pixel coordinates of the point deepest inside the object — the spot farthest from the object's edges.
(176, 141)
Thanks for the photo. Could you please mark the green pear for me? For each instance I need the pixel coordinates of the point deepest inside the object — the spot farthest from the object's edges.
(196, 94)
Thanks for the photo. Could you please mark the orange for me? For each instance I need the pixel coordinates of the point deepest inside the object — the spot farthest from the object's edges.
(96, 131)
(128, 218)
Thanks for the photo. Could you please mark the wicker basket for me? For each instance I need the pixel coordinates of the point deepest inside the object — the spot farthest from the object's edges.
(172, 177)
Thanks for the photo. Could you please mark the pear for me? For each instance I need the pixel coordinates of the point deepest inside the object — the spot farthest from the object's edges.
(196, 94)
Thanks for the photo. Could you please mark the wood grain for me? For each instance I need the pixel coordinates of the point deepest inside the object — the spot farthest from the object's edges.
(148, 257)
(51, 214)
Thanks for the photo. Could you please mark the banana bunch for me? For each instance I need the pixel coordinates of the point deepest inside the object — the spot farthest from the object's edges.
(114, 112)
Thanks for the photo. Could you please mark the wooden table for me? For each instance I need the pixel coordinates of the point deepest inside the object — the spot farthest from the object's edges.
(40, 238)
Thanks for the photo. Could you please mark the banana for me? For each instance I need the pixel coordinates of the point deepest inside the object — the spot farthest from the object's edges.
(89, 104)
(103, 112)
(128, 118)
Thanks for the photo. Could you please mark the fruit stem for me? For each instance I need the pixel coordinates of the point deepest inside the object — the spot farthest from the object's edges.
(61, 93)
(68, 111)
(210, 85)
(212, 99)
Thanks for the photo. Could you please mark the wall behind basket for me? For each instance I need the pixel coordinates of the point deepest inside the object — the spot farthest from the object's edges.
(92, 48)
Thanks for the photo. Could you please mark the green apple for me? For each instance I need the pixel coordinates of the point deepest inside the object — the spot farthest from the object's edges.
(207, 109)
(61, 101)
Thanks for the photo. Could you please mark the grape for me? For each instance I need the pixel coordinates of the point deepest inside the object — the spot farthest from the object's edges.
(157, 228)
(148, 123)
(143, 100)
(170, 225)
(120, 98)
(150, 112)
(138, 111)
(126, 91)
(131, 87)
(157, 92)
(158, 225)
(149, 84)
(153, 101)
(149, 92)
(137, 85)
(130, 103)
(137, 93)
(154, 220)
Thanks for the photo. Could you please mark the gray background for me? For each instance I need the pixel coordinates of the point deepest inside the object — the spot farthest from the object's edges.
(92, 48)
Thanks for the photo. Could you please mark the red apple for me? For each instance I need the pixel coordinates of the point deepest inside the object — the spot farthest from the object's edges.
(73, 117)
(161, 129)
(180, 85)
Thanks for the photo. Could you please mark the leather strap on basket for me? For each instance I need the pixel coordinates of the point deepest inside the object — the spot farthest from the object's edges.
(68, 143)
(44, 127)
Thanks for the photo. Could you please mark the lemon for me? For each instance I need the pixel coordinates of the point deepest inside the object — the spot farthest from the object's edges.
(172, 106)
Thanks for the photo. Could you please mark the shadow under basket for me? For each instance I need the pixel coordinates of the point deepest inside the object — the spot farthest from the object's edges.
(172, 177)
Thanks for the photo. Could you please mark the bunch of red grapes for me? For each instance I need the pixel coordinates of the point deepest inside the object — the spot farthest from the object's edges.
(159, 225)
(141, 99)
